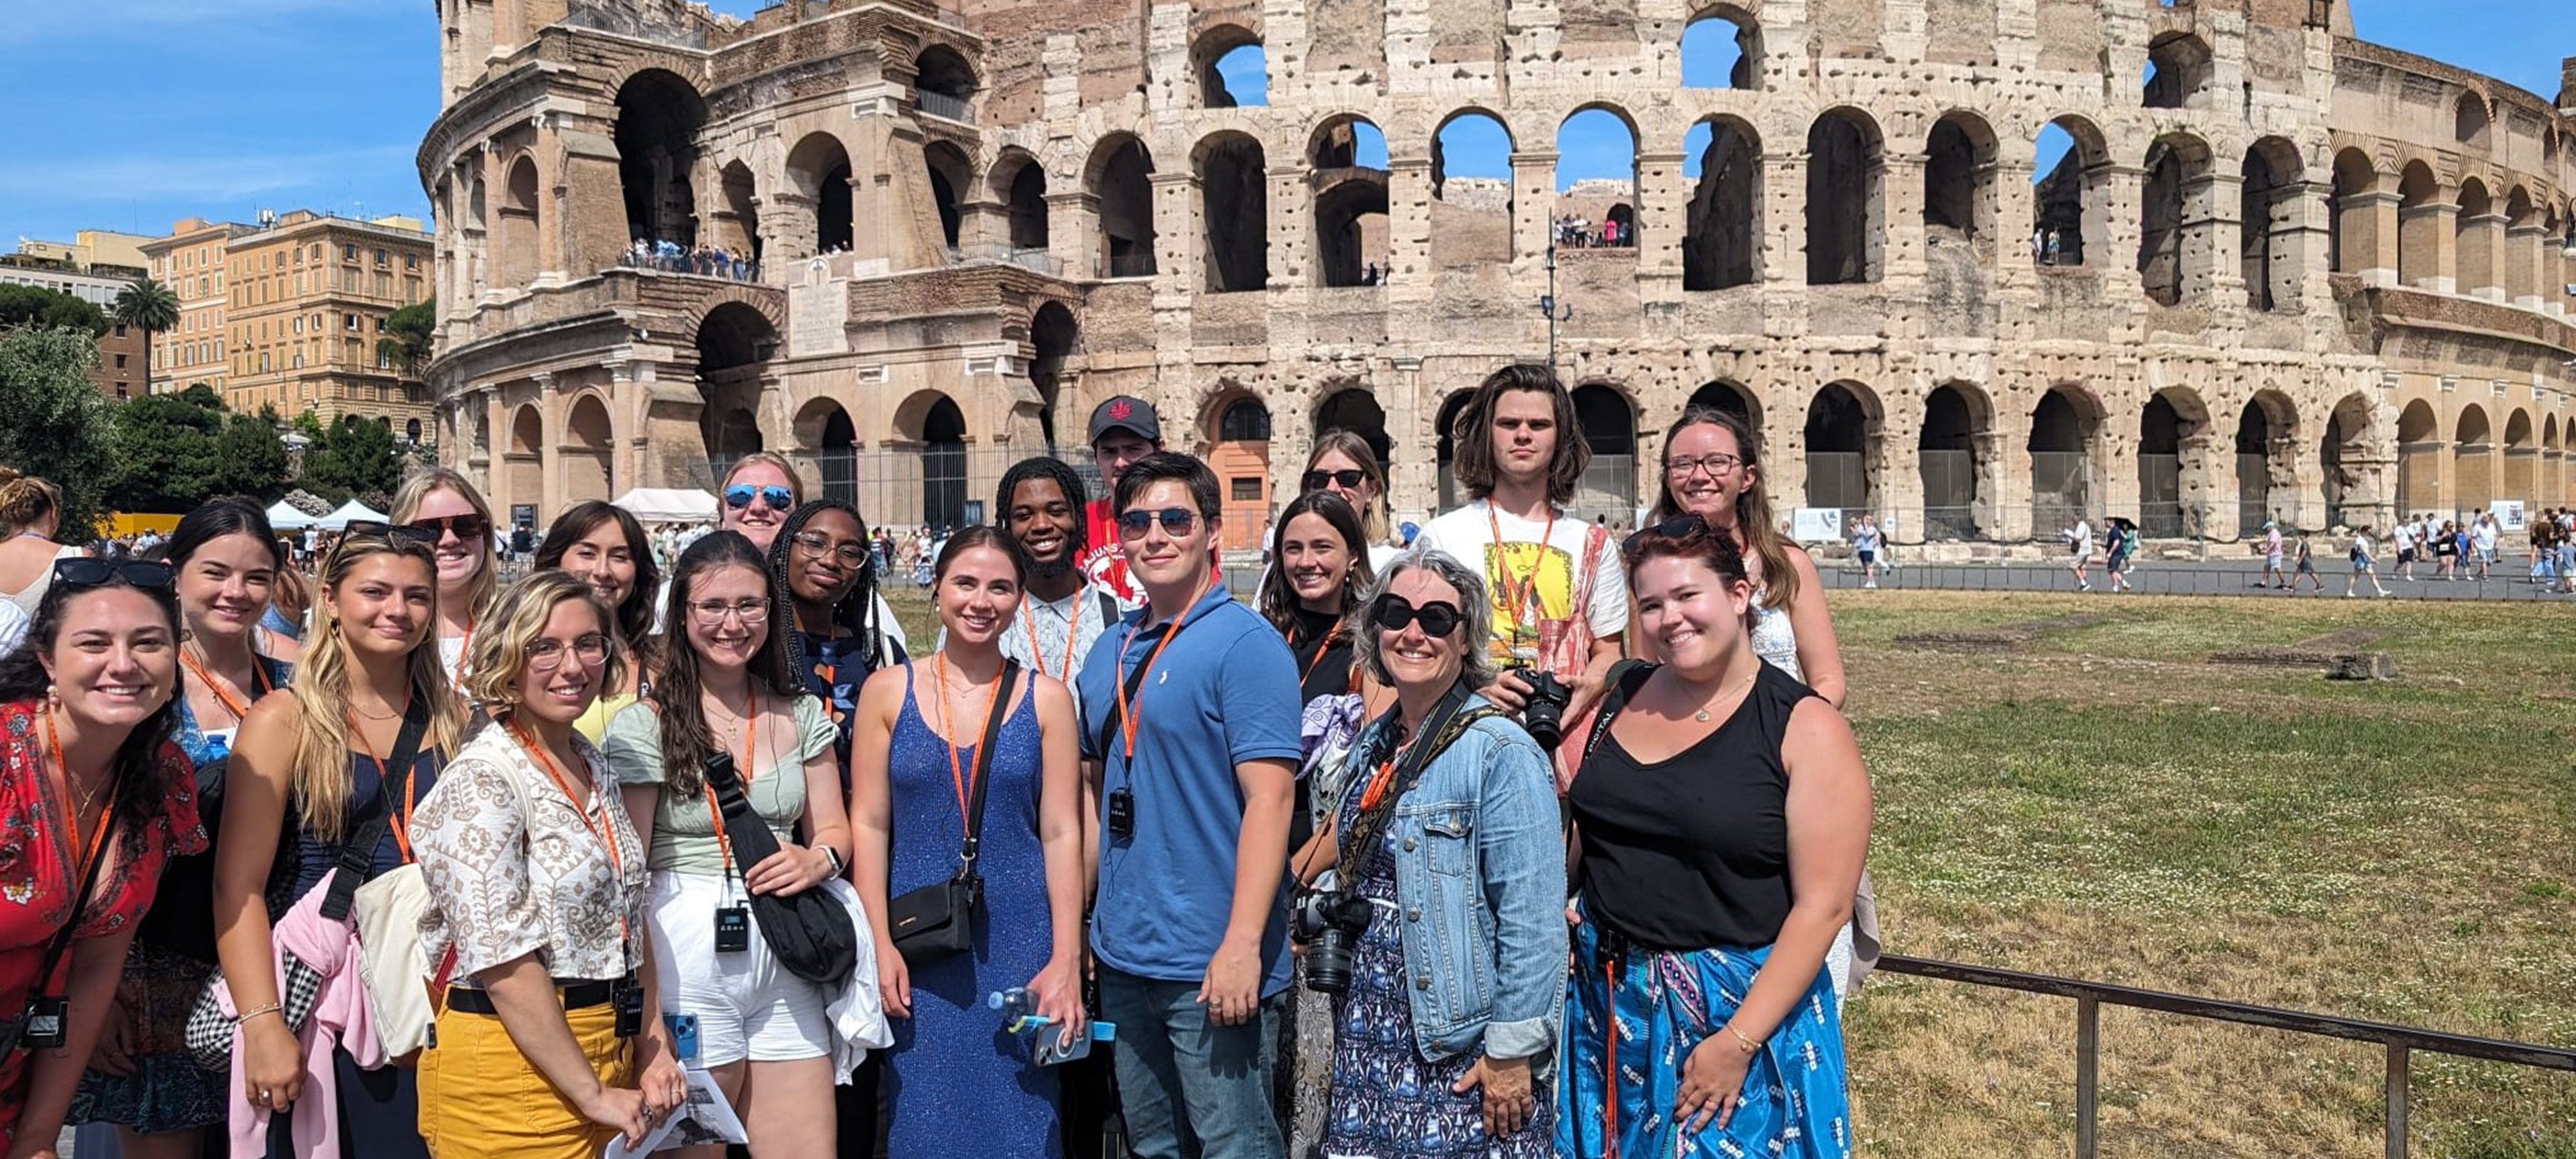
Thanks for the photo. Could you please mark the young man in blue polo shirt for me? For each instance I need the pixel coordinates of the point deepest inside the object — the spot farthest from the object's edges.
(1190, 710)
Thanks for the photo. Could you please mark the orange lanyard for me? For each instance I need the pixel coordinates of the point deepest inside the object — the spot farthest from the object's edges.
(1072, 632)
(831, 676)
(1127, 712)
(1517, 596)
(750, 747)
(1385, 775)
(464, 650)
(601, 826)
(237, 708)
(956, 766)
(1330, 638)
(97, 829)
(401, 818)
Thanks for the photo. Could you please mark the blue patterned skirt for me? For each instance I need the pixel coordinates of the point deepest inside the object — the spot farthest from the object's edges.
(1794, 1104)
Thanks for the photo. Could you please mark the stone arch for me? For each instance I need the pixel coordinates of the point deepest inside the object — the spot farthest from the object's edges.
(931, 480)
(950, 176)
(1214, 44)
(589, 448)
(1471, 214)
(2176, 239)
(1445, 446)
(2476, 233)
(1234, 211)
(1053, 336)
(1957, 455)
(1722, 240)
(2267, 466)
(2173, 469)
(768, 305)
(2525, 240)
(2271, 234)
(737, 216)
(944, 84)
(1235, 428)
(659, 118)
(2072, 201)
(1350, 201)
(818, 170)
(824, 432)
(2521, 460)
(1959, 179)
(2473, 459)
(2420, 451)
(1119, 178)
(522, 222)
(2419, 225)
(1019, 182)
(1715, 31)
(1608, 417)
(734, 342)
(2350, 466)
(523, 465)
(2065, 441)
(2357, 198)
(1600, 114)
(1846, 198)
(2471, 119)
(1844, 439)
(1732, 397)
(1352, 405)
(2178, 72)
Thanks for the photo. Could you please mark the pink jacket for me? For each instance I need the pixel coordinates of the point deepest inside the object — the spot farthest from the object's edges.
(340, 1018)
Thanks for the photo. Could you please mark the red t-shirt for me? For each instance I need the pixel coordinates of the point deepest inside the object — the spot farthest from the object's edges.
(1104, 562)
(39, 873)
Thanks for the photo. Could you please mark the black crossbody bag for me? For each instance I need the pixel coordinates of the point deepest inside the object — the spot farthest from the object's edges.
(935, 921)
(810, 932)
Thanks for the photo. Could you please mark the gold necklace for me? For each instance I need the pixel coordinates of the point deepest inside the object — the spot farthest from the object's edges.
(1749, 678)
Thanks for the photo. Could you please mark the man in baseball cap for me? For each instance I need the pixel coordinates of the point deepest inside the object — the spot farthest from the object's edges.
(1123, 430)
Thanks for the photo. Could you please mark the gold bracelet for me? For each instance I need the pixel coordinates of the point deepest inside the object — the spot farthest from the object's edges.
(256, 1011)
(1751, 1047)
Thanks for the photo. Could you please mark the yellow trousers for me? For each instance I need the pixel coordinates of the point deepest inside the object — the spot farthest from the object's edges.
(481, 1099)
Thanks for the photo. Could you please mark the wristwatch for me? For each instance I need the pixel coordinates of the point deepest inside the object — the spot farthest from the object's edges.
(834, 856)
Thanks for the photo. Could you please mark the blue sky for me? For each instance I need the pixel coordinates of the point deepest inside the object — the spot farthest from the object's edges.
(130, 114)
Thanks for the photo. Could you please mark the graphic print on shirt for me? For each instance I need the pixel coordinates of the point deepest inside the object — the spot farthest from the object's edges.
(1526, 582)
(1103, 562)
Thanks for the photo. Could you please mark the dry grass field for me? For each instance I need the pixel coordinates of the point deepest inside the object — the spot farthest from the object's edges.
(2095, 798)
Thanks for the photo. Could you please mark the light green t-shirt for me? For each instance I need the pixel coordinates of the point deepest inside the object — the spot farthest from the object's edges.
(684, 833)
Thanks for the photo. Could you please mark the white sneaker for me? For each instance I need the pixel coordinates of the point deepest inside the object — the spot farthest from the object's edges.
(1870, 584)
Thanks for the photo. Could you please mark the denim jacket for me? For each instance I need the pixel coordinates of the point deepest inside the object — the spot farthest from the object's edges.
(1480, 889)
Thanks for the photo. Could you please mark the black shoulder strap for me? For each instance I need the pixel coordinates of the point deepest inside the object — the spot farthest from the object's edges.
(358, 853)
(1002, 704)
(62, 940)
(1623, 681)
(1109, 609)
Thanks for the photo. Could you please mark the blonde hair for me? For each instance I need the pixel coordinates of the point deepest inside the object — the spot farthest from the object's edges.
(501, 649)
(321, 781)
(1357, 450)
(485, 587)
(24, 499)
(795, 482)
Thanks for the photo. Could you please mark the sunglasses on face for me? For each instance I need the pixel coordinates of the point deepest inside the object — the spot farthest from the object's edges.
(396, 532)
(1175, 520)
(1350, 479)
(87, 572)
(774, 497)
(1438, 618)
(468, 526)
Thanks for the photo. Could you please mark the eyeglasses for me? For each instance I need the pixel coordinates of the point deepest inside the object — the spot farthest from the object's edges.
(1438, 618)
(814, 544)
(397, 532)
(548, 654)
(83, 571)
(467, 526)
(774, 497)
(1716, 464)
(1318, 480)
(712, 613)
(1176, 521)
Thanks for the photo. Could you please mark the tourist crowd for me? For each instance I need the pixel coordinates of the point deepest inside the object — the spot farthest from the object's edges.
(1389, 861)
(671, 257)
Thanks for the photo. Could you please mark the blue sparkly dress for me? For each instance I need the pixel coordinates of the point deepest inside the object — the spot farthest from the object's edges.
(955, 1084)
(1388, 1102)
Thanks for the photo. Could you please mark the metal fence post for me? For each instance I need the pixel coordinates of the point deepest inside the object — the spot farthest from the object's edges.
(2396, 1101)
(2088, 1066)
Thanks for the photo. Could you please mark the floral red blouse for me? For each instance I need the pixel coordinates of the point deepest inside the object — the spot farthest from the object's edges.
(37, 867)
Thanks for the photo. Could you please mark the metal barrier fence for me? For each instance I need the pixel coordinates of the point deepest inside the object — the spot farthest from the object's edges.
(2163, 578)
(2399, 1042)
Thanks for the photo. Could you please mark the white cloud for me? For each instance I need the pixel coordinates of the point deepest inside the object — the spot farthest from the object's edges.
(208, 179)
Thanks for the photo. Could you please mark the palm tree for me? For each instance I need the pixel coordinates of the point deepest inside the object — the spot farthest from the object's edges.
(148, 306)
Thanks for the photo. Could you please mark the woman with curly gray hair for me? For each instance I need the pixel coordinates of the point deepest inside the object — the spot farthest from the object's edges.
(1445, 894)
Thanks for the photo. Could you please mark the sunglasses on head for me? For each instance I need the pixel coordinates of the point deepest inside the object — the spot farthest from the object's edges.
(1438, 618)
(776, 498)
(1176, 520)
(1681, 526)
(399, 533)
(1318, 480)
(466, 526)
(88, 572)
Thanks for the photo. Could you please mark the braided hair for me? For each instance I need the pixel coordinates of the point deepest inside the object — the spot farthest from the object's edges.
(854, 613)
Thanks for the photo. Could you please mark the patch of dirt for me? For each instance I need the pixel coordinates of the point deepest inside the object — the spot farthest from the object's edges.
(2319, 652)
(1999, 637)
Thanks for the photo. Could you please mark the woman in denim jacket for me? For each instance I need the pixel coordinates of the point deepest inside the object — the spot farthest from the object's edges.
(1453, 874)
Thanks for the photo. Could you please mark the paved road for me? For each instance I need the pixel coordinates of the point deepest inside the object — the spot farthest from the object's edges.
(2220, 577)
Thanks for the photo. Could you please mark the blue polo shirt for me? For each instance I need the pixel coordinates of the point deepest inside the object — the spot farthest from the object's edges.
(1224, 692)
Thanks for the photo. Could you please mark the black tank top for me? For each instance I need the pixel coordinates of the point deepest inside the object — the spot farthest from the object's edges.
(1693, 852)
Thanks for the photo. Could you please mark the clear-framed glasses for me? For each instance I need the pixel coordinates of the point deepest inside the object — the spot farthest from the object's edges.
(712, 613)
(1716, 464)
(548, 654)
(850, 553)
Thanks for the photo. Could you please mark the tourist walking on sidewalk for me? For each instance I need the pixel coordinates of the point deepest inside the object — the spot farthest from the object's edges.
(2365, 551)
(2273, 576)
(2079, 538)
(2307, 566)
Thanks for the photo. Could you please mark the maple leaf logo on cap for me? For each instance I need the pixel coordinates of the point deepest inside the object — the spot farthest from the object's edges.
(1119, 410)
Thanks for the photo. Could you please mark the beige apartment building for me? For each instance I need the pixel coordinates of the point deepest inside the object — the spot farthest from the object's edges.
(190, 260)
(308, 301)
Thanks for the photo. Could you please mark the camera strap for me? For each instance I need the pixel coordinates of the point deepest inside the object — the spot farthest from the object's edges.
(1446, 722)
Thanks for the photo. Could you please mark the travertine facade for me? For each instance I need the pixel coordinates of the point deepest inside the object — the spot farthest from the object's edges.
(2294, 273)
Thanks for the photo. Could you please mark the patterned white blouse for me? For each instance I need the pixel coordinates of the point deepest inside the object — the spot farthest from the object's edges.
(512, 868)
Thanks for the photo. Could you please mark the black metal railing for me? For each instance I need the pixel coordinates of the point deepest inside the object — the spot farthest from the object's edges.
(2399, 1042)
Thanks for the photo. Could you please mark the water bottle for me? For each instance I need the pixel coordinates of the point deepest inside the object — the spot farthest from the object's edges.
(1019, 1013)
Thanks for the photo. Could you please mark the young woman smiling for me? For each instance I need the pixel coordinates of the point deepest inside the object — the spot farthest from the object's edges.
(830, 628)
(224, 559)
(603, 545)
(443, 503)
(758, 492)
(1343, 463)
(319, 756)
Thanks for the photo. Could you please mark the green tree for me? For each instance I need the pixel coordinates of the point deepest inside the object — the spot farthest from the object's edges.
(250, 458)
(43, 307)
(164, 450)
(148, 306)
(56, 429)
(407, 336)
(354, 457)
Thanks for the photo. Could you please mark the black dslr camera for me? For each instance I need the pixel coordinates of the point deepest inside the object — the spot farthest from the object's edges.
(1544, 716)
(1330, 922)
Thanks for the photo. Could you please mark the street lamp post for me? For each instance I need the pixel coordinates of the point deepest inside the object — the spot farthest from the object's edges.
(1547, 305)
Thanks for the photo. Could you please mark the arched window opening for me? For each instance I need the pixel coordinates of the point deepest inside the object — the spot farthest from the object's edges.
(2062, 437)
(1234, 208)
(1722, 242)
(2419, 228)
(949, 173)
(2267, 482)
(1471, 190)
(1445, 450)
(2350, 477)
(2164, 429)
(658, 119)
(1355, 409)
(2419, 458)
(2355, 240)
(2175, 236)
(2270, 234)
(819, 166)
(1234, 70)
(943, 466)
(1028, 208)
(943, 84)
(2070, 192)
(520, 218)
(1121, 176)
(2469, 120)
(1842, 439)
(1846, 200)
(738, 221)
(1051, 340)
(2473, 460)
(1609, 485)
(836, 454)
(2177, 73)
(1244, 419)
(1956, 451)
(2476, 234)
(1348, 169)
(1721, 49)
(1596, 170)
(1959, 203)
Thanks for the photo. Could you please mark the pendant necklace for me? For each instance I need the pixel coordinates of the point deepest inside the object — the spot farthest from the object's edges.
(1702, 715)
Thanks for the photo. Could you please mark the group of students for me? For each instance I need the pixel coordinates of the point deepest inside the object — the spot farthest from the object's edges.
(1572, 829)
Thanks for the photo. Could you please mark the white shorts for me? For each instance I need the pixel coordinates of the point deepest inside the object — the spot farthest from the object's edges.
(747, 1005)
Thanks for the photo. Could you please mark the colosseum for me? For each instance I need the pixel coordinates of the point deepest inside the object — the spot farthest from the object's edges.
(2277, 271)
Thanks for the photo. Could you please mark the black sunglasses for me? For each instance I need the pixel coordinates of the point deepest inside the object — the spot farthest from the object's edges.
(466, 526)
(398, 532)
(82, 571)
(1438, 618)
(1681, 526)
(1176, 520)
(1318, 480)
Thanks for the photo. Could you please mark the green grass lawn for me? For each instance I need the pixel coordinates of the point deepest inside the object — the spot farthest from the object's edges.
(2104, 802)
